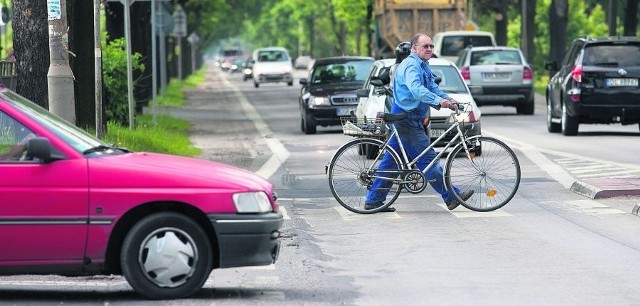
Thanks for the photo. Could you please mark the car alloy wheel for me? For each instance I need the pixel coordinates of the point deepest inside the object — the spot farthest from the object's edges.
(166, 255)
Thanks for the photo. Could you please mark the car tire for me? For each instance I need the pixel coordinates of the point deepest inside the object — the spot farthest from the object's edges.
(167, 239)
(290, 83)
(308, 124)
(526, 108)
(569, 123)
(256, 84)
(552, 127)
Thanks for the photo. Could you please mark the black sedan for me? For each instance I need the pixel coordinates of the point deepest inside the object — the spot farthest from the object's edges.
(329, 92)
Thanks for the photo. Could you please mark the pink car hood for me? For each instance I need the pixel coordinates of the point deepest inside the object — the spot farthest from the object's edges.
(153, 170)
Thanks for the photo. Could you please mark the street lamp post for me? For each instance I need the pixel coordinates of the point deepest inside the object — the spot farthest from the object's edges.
(193, 39)
(179, 31)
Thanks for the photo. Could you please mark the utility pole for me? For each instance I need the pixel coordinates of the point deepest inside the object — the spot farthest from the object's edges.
(60, 77)
(98, 68)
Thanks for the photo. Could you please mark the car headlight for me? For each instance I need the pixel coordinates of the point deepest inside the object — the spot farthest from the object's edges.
(252, 202)
(318, 101)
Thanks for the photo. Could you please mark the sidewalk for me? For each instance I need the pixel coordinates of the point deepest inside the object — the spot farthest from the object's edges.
(220, 127)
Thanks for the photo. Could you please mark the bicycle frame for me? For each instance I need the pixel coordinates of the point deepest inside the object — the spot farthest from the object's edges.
(408, 165)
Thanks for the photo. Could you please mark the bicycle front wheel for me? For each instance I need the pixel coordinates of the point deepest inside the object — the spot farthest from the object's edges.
(351, 174)
(491, 170)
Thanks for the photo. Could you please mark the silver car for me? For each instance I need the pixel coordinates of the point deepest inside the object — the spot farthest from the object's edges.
(498, 76)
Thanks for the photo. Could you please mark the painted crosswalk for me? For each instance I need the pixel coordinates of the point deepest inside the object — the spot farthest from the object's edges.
(584, 169)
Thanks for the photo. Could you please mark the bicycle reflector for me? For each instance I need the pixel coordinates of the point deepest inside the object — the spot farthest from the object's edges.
(492, 192)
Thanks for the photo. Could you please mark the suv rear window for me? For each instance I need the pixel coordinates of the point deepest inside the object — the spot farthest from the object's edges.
(612, 55)
(452, 45)
(496, 57)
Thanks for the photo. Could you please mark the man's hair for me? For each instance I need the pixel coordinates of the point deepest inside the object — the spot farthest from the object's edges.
(414, 39)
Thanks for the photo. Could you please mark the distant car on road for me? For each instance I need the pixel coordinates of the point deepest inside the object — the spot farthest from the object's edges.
(73, 205)
(272, 65)
(596, 82)
(329, 92)
(449, 44)
(499, 76)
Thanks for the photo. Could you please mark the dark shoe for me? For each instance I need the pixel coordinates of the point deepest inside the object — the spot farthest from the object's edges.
(465, 195)
(374, 206)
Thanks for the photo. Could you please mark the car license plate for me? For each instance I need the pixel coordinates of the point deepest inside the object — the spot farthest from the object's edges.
(622, 82)
(496, 75)
(345, 111)
(435, 133)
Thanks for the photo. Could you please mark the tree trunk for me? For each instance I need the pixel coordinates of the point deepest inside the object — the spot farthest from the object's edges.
(81, 44)
(31, 46)
(528, 29)
(501, 23)
(631, 18)
(558, 32)
(370, 28)
(612, 17)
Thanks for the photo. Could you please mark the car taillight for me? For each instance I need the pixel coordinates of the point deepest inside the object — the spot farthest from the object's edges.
(527, 74)
(466, 75)
(576, 73)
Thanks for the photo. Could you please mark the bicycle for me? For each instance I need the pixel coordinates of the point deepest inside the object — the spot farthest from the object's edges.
(486, 165)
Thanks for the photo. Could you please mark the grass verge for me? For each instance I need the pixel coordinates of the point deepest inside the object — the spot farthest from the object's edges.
(169, 135)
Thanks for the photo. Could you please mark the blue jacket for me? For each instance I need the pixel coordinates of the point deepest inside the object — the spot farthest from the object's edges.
(414, 83)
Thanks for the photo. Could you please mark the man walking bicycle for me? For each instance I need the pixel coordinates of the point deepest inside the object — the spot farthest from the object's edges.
(414, 93)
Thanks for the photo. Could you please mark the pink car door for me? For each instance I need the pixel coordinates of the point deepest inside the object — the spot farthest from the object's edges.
(43, 211)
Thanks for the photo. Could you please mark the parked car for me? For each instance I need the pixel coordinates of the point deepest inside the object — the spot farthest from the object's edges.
(449, 44)
(450, 81)
(329, 92)
(597, 82)
(73, 205)
(272, 65)
(500, 76)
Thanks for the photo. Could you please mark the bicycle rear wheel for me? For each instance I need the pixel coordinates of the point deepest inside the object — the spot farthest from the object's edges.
(351, 175)
(494, 175)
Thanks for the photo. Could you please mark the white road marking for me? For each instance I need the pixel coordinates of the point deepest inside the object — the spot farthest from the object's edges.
(280, 153)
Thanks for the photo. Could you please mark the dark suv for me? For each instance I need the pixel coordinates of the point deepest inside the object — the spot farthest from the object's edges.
(329, 92)
(597, 82)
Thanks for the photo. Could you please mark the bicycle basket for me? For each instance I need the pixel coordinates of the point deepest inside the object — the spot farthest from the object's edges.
(357, 127)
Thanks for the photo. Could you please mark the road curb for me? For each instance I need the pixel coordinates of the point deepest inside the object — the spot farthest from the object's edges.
(607, 187)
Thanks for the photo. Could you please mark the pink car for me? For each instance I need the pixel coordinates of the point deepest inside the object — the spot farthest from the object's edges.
(72, 205)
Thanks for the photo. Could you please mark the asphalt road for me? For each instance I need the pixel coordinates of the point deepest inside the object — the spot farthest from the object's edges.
(548, 246)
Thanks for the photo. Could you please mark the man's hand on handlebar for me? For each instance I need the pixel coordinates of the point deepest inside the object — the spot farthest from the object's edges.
(451, 104)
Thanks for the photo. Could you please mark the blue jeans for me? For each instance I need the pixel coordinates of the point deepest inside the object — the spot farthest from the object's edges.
(415, 140)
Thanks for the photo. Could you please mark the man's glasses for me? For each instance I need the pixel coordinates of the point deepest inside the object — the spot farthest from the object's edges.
(428, 46)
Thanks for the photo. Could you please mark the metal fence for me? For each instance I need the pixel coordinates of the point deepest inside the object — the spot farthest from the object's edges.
(8, 74)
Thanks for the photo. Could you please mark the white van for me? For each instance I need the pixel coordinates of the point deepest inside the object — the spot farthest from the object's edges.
(272, 65)
(450, 44)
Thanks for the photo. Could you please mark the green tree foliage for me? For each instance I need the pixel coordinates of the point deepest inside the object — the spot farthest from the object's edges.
(114, 75)
(321, 28)
(579, 16)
